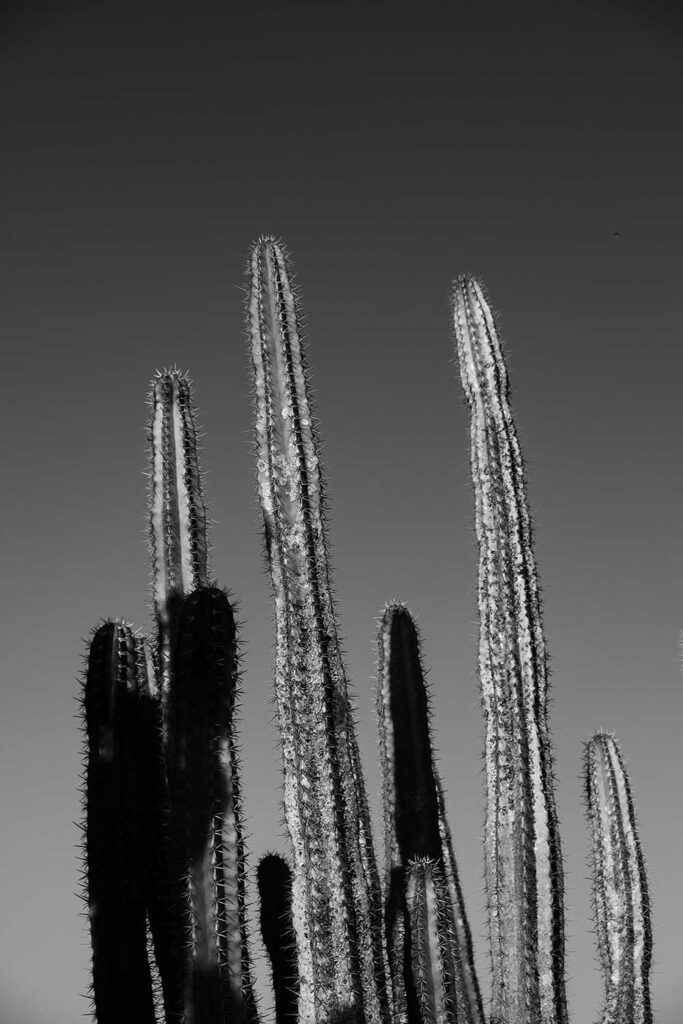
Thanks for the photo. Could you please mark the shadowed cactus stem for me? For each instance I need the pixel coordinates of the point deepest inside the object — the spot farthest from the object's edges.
(620, 893)
(336, 904)
(118, 804)
(415, 827)
(207, 848)
(523, 863)
(277, 932)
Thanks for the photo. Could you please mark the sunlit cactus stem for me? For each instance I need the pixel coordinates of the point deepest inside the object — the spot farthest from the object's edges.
(336, 903)
(415, 829)
(620, 892)
(431, 949)
(117, 839)
(207, 848)
(177, 513)
(523, 863)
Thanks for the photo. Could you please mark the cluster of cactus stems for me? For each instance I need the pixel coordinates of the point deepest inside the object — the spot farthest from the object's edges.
(165, 873)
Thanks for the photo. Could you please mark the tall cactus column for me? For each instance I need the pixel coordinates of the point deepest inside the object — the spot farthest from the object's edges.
(621, 900)
(523, 863)
(177, 513)
(336, 902)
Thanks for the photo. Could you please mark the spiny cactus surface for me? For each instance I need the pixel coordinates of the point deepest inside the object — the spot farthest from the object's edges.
(621, 899)
(336, 903)
(524, 874)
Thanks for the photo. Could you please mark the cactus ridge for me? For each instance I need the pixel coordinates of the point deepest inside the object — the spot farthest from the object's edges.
(621, 900)
(336, 898)
(522, 846)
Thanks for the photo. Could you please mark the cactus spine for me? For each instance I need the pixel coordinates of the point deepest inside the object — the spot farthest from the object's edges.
(336, 904)
(620, 893)
(524, 878)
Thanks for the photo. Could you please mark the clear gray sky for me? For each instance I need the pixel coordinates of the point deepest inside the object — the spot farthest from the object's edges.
(143, 145)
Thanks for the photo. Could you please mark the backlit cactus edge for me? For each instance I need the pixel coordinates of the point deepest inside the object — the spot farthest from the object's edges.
(164, 860)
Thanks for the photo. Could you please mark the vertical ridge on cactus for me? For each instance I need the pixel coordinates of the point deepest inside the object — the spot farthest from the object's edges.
(336, 897)
(524, 875)
(621, 899)
(414, 817)
(116, 803)
(177, 513)
(207, 848)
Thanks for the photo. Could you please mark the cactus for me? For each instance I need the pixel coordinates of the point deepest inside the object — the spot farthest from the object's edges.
(620, 893)
(177, 513)
(181, 795)
(117, 806)
(415, 830)
(165, 858)
(277, 932)
(206, 846)
(336, 895)
(523, 861)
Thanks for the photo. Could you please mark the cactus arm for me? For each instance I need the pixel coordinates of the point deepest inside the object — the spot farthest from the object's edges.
(335, 903)
(116, 806)
(522, 845)
(177, 513)
(277, 931)
(206, 828)
(620, 890)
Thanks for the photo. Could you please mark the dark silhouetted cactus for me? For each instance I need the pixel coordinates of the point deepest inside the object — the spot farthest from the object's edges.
(165, 857)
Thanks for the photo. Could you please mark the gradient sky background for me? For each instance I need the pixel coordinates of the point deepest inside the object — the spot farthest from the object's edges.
(143, 146)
